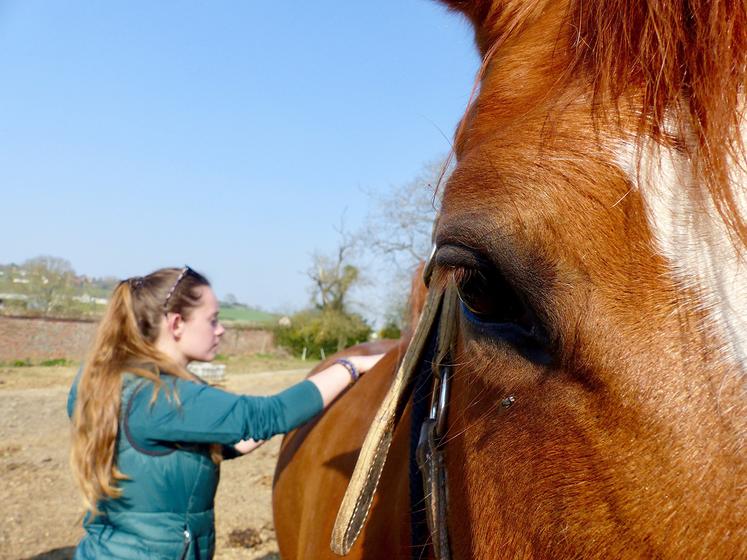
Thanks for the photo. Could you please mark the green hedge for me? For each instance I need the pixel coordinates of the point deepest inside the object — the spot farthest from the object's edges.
(390, 331)
(322, 332)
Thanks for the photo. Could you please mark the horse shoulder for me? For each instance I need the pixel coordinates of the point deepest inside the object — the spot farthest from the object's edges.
(317, 460)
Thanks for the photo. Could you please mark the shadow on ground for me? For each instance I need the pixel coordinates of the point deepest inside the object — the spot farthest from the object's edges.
(65, 553)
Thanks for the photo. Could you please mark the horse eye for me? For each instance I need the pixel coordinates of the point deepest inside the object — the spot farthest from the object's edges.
(490, 299)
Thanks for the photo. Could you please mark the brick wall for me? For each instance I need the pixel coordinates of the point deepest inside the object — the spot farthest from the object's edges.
(243, 341)
(39, 339)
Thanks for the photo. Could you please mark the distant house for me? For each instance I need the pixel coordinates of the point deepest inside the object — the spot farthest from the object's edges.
(11, 297)
(87, 298)
(15, 297)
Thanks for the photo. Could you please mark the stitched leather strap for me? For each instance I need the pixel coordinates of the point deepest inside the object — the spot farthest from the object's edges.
(365, 479)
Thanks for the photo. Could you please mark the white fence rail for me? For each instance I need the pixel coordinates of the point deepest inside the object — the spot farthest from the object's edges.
(211, 373)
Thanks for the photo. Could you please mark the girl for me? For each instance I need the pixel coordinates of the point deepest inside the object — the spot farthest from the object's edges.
(148, 435)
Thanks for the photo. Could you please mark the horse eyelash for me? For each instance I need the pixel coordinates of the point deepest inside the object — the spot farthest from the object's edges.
(456, 274)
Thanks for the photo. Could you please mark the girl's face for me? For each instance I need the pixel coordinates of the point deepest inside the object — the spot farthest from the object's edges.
(201, 331)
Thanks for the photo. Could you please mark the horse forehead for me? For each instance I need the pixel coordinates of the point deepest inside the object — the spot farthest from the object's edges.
(581, 183)
(515, 177)
(703, 255)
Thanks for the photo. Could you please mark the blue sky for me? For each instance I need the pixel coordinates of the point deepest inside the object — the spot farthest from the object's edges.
(228, 135)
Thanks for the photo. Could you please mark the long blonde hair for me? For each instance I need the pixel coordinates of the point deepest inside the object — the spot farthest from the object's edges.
(125, 341)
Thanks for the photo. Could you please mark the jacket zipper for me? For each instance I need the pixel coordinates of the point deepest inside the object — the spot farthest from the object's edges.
(187, 540)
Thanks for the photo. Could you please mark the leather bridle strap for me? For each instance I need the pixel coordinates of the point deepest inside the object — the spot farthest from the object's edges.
(365, 479)
(430, 451)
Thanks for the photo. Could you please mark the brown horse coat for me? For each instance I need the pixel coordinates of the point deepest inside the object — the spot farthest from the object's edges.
(316, 462)
(595, 229)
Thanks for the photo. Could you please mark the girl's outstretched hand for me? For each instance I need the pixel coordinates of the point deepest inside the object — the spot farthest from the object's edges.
(247, 446)
(364, 363)
(333, 379)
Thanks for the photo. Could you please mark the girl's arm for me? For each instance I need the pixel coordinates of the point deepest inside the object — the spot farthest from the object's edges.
(204, 414)
(330, 381)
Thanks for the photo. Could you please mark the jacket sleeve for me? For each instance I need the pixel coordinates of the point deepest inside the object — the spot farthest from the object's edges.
(71, 396)
(204, 414)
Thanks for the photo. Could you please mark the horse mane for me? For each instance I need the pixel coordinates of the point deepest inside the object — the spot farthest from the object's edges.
(681, 65)
(687, 61)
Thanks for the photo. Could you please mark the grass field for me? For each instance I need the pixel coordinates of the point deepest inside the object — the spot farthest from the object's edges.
(73, 309)
(236, 314)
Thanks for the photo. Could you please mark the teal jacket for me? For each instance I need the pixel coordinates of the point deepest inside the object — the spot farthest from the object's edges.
(166, 507)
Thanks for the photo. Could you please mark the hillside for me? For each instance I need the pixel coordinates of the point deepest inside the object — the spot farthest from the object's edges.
(48, 286)
(245, 314)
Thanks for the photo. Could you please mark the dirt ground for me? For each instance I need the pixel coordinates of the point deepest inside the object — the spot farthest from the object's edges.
(40, 508)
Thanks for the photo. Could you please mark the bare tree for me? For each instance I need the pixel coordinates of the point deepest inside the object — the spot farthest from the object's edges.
(50, 282)
(398, 232)
(395, 237)
(401, 223)
(333, 276)
(330, 324)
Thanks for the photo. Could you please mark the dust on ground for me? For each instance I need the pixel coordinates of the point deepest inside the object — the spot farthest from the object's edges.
(40, 509)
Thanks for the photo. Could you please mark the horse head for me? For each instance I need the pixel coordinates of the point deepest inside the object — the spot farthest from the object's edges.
(594, 230)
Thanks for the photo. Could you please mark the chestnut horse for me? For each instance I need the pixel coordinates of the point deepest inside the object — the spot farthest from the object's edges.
(594, 230)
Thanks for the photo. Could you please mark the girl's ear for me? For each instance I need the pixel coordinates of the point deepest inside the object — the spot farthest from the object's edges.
(175, 324)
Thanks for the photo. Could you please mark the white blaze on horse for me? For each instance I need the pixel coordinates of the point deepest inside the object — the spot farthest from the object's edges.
(594, 233)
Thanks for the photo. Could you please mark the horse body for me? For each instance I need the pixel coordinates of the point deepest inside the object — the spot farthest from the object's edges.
(310, 479)
(594, 230)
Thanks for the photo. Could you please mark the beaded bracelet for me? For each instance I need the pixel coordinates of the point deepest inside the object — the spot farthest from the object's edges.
(352, 370)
